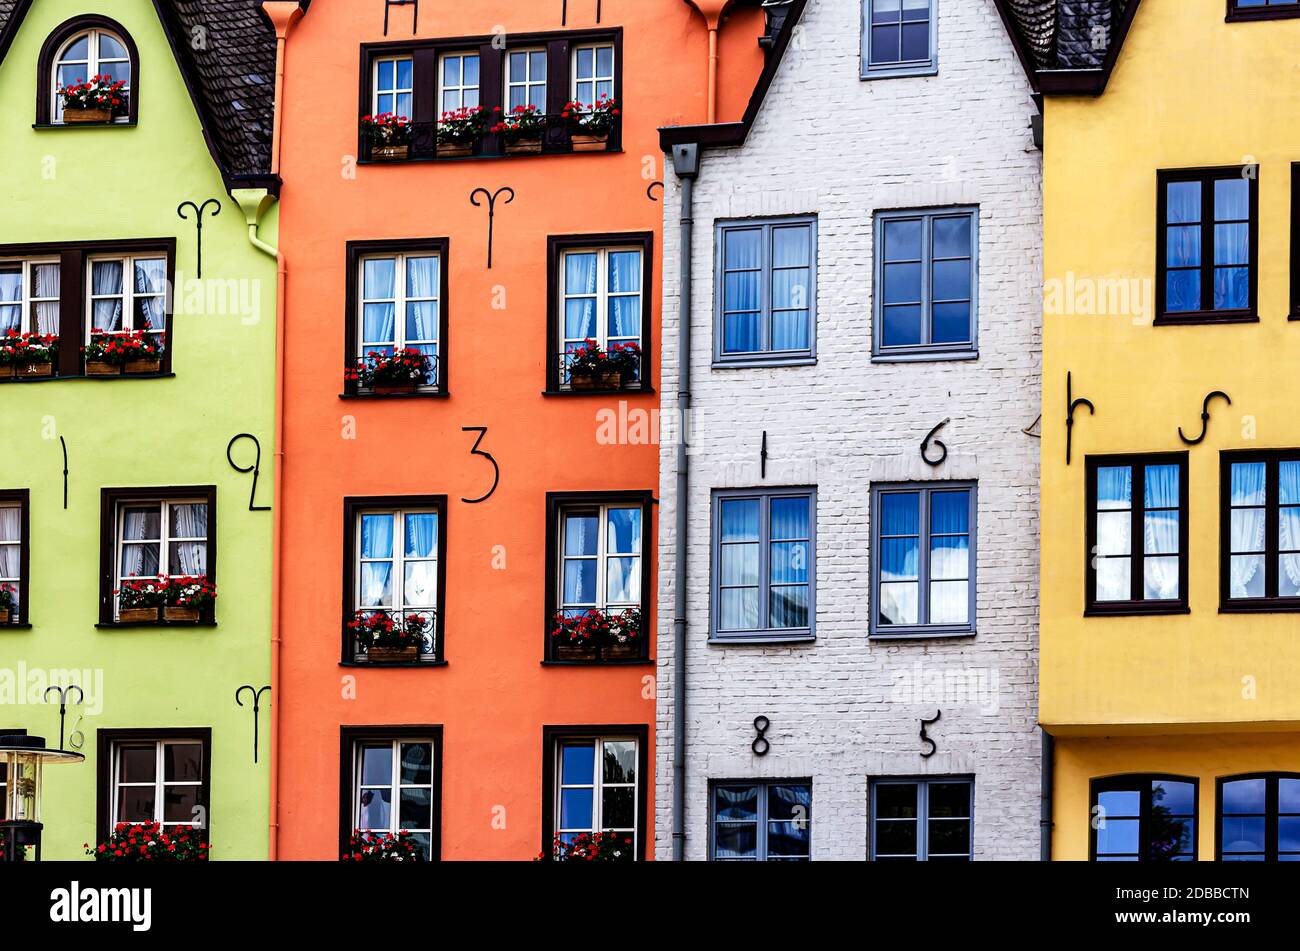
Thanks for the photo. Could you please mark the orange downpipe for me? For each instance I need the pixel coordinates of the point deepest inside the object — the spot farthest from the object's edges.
(712, 11)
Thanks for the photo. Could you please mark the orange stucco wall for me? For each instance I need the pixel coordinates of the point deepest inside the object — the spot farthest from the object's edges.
(494, 695)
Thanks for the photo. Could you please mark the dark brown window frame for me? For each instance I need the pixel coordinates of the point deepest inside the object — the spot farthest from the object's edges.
(556, 502)
(1121, 781)
(1249, 314)
(1271, 810)
(1137, 556)
(356, 251)
(105, 740)
(1295, 236)
(110, 500)
(1238, 14)
(556, 246)
(551, 735)
(349, 736)
(73, 315)
(424, 72)
(353, 506)
(23, 499)
(45, 69)
(1272, 515)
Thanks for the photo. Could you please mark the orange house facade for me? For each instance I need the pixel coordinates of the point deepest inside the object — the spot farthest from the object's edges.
(465, 644)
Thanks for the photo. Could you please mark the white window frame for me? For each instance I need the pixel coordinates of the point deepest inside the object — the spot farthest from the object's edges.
(602, 556)
(399, 561)
(164, 542)
(397, 90)
(400, 303)
(28, 300)
(458, 89)
(596, 77)
(18, 545)
(602, 296)
(94, 63)
(395, 786)
(128, 296)
(528, 82)
(597, 786)
(160, 784)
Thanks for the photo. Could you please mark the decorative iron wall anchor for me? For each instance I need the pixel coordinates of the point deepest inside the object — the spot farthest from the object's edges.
(492, 209)
(255, 468)
(925, 445)
(415, 14)
(925, 736)
(761, 746)
(762, 455)
(1029, 430)
(63, 703)
(476, 451)
(1071, 405)
(198, 226)
(65, 472)
(257, 707)
(1205, 418)
(564, 12)
(650, 190)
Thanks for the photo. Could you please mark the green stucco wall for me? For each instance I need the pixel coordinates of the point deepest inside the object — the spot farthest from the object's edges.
(72, 184)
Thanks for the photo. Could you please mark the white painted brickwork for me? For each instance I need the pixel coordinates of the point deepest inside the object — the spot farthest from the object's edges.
(842, 710)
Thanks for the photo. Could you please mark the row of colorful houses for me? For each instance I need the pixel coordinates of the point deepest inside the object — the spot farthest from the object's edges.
(736, 429)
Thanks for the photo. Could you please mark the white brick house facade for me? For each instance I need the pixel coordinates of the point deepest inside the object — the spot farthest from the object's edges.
(846, 709)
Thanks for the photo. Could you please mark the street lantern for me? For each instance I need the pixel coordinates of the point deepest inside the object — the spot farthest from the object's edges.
(24, 758)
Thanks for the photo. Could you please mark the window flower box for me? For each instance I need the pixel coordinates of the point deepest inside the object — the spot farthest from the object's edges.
(388, 373)
(609, 635)
(27, 355)
(6, 603)
(188, 597)
(382, 847)
(102, 368)
(460, 131)
(99, 100)
(150, 842)
(138, 615)
(141, 601)
(591, 847)
(389, 136)
(391, 637)
(592, 368)
(522, 130)
(134, 352)
(590, 126)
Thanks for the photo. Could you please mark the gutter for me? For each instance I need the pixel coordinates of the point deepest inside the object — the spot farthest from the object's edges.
(1046, 786)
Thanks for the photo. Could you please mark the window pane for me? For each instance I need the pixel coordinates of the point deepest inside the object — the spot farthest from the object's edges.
(952, 237)
(896, 837)
(1114, 579)
(736, 803)
(739, 520)
(735, 840)
(1232, 199)
(137, 764)
(376, 584)
(790, 246)
(577, 763)
(417, 763)
(375, 809)
(182, 762)
(951, 323)
(377, 536)
(624, 530)
(741, 333)
(421, 535)
(1114, 487)
(898, 603)
(948, 837)
(1182, 291)
(789, 562)
(739, 564)
(580, 581)
(1178, 798)
(739, 609)
(1117, 836)
(790, 330)
(180, 804)
(1288, 795)
(1184, 199)
(136, 803)
(744, 248)
(949, 602)
(377, 765)
(1231, 288)
(189, 520)
(902, 326)
(581, 534)
(788, 607)
(415, 809)
(1183, 246)
(620, 761)
(623, 581)
(900, 513)
(618, 808)
(902, 283)
(420, 584)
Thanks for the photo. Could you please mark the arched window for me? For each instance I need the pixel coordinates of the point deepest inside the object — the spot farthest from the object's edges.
(77, 52)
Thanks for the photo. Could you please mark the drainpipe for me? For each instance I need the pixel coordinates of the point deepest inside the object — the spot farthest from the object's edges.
(1046, 780)
(712, 11)
(686, 164)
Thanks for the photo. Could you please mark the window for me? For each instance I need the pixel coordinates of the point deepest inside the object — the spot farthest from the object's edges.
(1260, 529)
(764, 564)
(922, 820)
(154, 532)
(1207, 247)
(1262, 9)
(397, 299)
(83, 47)
(596, 546)
(766, 291)
(899, 38)
(593, 73)
(926, 284)
(525, 79)
(1295, 233)
(767, 821)
(596, 778)
(923, 572)
(394, 86)
(1137, 533)
(29, 296)
(127, 294)
(1144, 819)
(393, 783)
(161, 776)
(395, 549)
(600, 295)
(14, 558)
(1259, 818)
(459, 83)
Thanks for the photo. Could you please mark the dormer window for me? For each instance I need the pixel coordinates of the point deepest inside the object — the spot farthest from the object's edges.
(88, 69)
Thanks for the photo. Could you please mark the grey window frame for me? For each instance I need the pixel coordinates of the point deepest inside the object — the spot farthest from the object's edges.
(761, 822)
(899, 70)
(919, 630)
(763, 358)
(923, 784)
(924, 351)
(761, 635)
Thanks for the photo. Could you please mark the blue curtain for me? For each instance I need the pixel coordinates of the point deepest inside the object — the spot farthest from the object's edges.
(376, 536)
(421, 534)
(625, 278)
(11, 295)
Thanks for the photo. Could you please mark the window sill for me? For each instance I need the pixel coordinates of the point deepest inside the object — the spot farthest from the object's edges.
(1261, 606)
(1194, 318)
(925, 356)
(1263, 13)
(615, 662)
(621, 391)
(416, 664)
(900, 72)
(419, 395)
(920, 635)
(436, 159)
(754, 362)
(759, 640)
(82, 376)
(43, 126)
(14, 626)
(116, 625)
(1137, 609)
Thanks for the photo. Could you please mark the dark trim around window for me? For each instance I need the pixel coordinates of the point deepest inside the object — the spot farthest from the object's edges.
(353, 506)
(556, 245)
(761, 845)
(556, 503)
(110, 500)
(923, 815)
(22, 497)
(105, 740)
(45, 68)
(1206, 176)
(1136, 604)
(1270, 815)
(1295, 233)
(1141, 782)
(1272, 542)
(424, 72)
(349, 736)
(1274, 11)
(553, 734)
(356, 251)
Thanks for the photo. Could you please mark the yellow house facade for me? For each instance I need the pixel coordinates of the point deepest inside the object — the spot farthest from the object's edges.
(1170, 598)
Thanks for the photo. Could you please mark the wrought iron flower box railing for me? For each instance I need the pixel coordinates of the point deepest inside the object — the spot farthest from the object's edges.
(391, 637)
(557, 138)
(430, 383)
(610, 380)
(603, 649)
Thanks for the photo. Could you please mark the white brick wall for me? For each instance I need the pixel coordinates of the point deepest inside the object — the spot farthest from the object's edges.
(831, 144)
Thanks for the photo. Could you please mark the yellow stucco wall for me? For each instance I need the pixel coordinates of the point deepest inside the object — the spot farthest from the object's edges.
(1189, 91)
